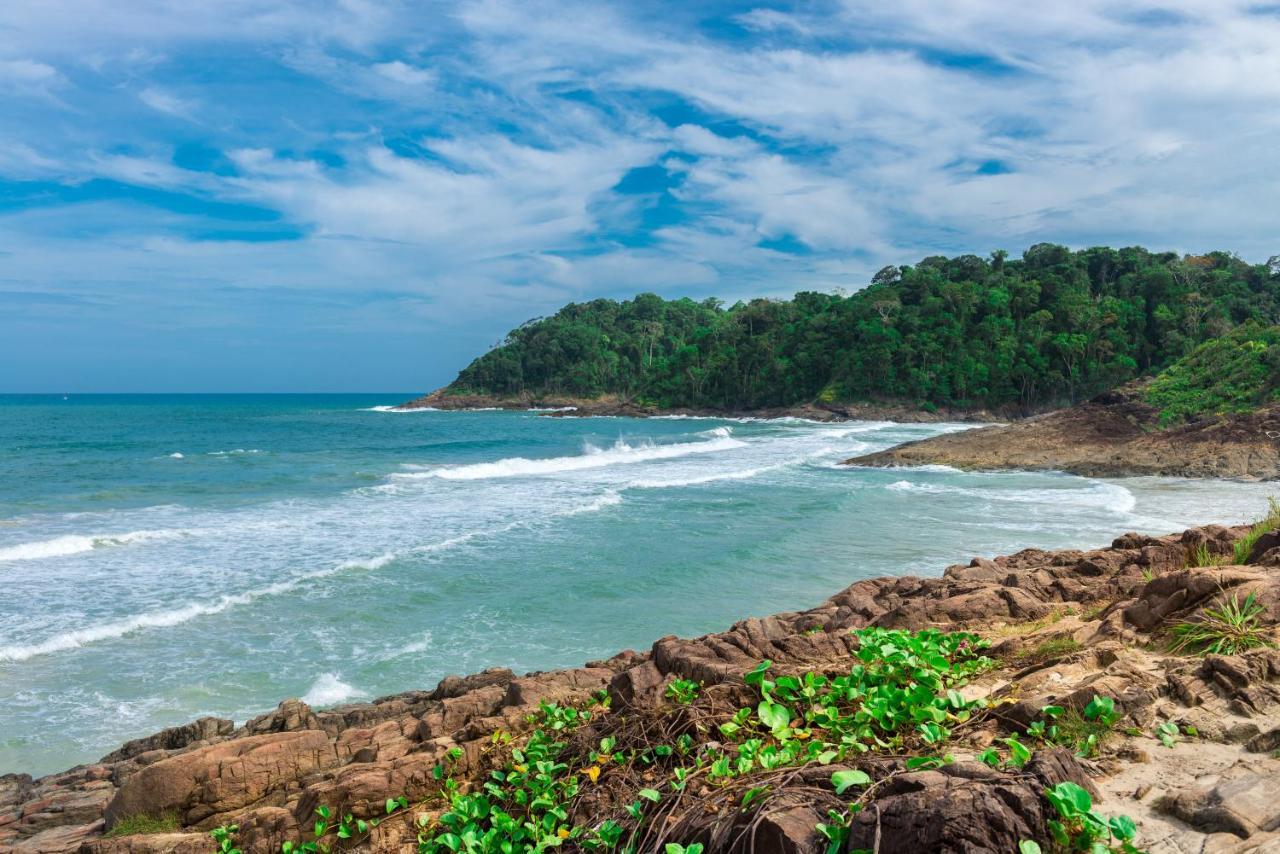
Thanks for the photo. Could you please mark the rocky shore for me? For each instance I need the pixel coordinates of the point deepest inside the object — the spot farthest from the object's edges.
(1064, 627)
(612, 405)
(1115, 434)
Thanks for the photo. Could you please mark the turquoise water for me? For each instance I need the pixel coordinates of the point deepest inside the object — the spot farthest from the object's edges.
(165, 557)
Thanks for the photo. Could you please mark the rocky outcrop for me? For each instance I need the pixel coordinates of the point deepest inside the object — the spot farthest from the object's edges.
(1067, 626)
(1115, 434)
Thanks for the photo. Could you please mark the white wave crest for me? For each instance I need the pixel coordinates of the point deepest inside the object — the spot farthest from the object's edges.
(176, 455)
(71, 544)
(399, 409)
(620, 454)
(328, 690)
(235, 452)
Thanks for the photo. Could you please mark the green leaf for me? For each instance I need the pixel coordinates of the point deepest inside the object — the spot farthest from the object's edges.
(755, 675)
(1029, 846)
(651, 795)
(1123, 827)
(842, 780)
(773, 715)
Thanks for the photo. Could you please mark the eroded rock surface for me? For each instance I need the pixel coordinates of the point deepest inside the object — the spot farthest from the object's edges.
(1066, 625)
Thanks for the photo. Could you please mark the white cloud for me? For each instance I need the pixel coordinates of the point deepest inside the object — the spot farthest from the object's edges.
(167, 102)
(402, 72)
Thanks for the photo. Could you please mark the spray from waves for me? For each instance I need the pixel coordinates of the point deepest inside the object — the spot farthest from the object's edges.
(235, 452)
(71, 544)
(329, 690)
(176, 616)
(177, 455)
(620, 454)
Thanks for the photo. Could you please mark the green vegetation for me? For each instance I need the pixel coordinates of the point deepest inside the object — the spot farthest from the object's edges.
(1079, 828)
(1228, 629)
(1054, 326)
(130, 825)
(225, 838)
(900, 697)
(1048, 650)
(1201, 557)
(1084, 731)
(1234, 373)
(1270, 522)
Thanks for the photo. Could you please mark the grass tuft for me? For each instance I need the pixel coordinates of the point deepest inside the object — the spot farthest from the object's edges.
(131, 825)
(1050, 649)
(1228, 629)
(1201, 556)
(1269, 523)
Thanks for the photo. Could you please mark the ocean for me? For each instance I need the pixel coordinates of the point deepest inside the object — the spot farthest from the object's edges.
(167, 557)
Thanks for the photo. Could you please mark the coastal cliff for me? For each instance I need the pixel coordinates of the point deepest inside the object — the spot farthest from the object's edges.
(1069, 658)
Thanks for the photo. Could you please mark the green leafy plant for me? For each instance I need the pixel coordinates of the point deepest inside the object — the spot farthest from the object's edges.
(683, 691)
(1167, 732)
(225, 838)
(1226, 629)
(1079, 828)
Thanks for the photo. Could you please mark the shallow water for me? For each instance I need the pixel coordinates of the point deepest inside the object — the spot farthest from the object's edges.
(166, 557)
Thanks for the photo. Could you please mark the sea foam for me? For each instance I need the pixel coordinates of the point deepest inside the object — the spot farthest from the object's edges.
(620, 453)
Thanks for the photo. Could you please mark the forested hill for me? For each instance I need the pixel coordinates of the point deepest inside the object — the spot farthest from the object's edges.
(1052, 327)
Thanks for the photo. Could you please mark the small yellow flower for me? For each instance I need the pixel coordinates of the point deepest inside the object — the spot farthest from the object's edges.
(521, 768)
(563, 833)
(593, 772)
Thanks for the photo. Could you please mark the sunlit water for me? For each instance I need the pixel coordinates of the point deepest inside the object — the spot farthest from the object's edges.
(169, 557)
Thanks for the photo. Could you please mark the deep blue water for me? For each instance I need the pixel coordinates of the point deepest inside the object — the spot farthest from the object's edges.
(165, 557)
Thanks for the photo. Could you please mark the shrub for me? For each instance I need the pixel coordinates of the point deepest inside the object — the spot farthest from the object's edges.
(1228, 629)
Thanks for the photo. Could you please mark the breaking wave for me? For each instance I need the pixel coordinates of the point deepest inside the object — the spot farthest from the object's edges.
(71, 544)
(620, 453)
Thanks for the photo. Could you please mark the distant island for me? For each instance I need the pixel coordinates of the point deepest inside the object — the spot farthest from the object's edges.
(946, 337)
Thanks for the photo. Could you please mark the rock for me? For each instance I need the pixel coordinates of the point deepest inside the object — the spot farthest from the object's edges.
(173, 738)
(289, 716)
(1244, 801)
(1266, 742)
(965, 808)
(222, 778)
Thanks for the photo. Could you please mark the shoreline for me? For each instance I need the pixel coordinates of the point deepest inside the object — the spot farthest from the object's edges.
(1117, 434)
(612, 405)
(356, 755)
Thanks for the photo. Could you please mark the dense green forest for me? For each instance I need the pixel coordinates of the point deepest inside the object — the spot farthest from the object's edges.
(1052, 327)
(1234, 373)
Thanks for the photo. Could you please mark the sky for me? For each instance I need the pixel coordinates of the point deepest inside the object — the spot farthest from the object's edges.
(362, 195)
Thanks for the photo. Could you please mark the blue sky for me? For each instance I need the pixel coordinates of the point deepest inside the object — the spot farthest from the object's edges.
(279, 195)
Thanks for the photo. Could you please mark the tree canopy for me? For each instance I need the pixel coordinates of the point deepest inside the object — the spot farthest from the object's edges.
(1051, 327)
(1235, 373)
